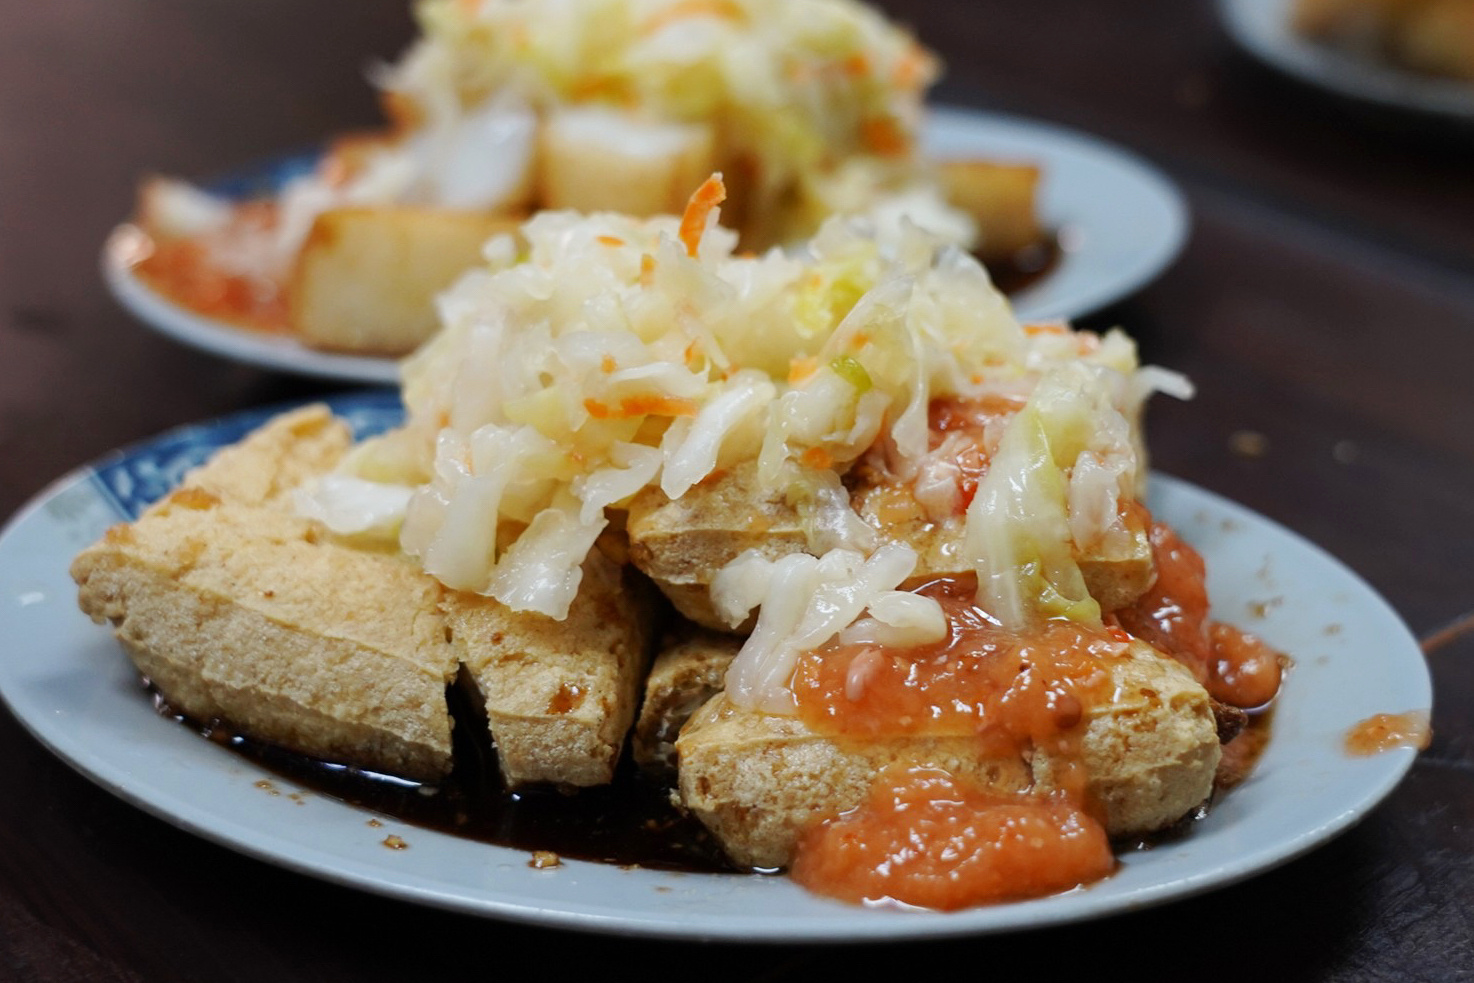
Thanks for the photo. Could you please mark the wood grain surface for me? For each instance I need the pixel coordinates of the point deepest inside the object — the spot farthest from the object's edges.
(1325, 303)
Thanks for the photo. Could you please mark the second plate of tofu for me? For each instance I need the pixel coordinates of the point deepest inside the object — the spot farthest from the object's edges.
(1118, 223)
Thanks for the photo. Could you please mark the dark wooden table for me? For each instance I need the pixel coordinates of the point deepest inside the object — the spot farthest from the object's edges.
(1325, 302)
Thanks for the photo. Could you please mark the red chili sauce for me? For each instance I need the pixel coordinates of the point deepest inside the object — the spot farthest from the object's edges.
(926, 839)
(1234, 666)
(182, 270)
(929, 838)
(972, 417)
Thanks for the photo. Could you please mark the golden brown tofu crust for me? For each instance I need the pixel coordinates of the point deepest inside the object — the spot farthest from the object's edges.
(758, 781)
(689, 669)
(240, 611)
(560, 696)
(682, 544)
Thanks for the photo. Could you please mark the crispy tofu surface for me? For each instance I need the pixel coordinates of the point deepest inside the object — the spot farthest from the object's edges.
(560, 695)
(1002, 197)
(595, 160)
(682, 544)
(758, 780)
(689, 670)
(366, 278)
(238, 610)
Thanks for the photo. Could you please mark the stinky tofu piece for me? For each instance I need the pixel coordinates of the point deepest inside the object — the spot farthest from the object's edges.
(681, 544)
(241, 611)
(758, 780)
(366, 278)
(244, 615)
(560, 696)
(1003, 197)
(595, 159)
(690, 669)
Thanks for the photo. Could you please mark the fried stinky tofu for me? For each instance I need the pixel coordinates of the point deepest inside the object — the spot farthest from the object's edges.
(559, 695)
(1114, 574)
(365, 279)
(682, 544)
(759, 780)
(688, 671)
(238, 610)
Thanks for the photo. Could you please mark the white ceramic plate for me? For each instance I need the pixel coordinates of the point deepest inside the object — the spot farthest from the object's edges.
(68, 681)
(1262, 27)
(1120, 223)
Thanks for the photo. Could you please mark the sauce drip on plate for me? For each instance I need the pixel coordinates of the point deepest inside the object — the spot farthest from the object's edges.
(1386, 731)
(1234, 666)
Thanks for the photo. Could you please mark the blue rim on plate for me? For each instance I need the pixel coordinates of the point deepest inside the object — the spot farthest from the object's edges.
(69, 683)
(1121, 223)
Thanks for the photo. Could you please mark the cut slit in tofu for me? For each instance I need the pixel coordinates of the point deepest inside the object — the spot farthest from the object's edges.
(689, 669)
(240, 611)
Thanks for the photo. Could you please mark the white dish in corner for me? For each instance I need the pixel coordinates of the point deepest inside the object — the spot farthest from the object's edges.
(1263, 28)
(1120, 223)
(69, 683)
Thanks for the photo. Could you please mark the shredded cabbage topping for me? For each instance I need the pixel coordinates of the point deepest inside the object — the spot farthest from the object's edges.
(611, 355)
(816, 104)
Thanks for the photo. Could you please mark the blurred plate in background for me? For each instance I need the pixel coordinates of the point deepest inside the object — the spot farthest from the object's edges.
(1262, 28)
(1119, 223)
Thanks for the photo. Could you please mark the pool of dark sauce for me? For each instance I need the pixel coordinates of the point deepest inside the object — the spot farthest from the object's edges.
(1019, 271)
(630, 822)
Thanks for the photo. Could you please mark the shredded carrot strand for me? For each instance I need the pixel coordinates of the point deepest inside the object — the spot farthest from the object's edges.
(631, 406)
(801, 368)
(647, 270)
(912, 68)
(817, 457)
(693, 224)
(602, 87)
(885, 136)
(724, 9)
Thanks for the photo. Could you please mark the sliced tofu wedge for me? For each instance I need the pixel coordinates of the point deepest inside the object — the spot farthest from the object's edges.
(366, 278)
(689, 669)
(560, 696)
(594, 159)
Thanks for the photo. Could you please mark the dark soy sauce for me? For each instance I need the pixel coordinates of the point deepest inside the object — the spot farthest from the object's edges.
(1026, 267)
(630, 822)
